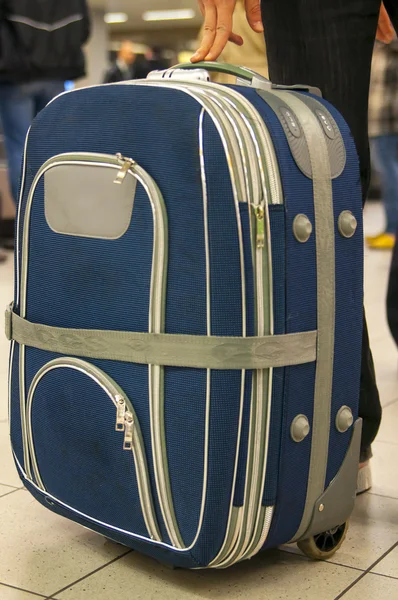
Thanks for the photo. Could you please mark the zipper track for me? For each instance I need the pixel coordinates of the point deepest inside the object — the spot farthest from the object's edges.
(115, 393)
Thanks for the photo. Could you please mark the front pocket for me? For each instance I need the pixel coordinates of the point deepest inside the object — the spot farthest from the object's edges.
(99, 179)
(86, 446)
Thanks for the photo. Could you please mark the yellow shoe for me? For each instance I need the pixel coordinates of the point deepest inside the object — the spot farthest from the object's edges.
(385, 241)
(371, 238)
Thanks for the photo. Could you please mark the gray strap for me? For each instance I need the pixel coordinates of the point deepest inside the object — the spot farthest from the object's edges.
(201, 352)
(325, 258)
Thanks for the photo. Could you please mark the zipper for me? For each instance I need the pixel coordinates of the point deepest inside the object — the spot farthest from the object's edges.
(252, 521)
(127, 166)
(133, 440)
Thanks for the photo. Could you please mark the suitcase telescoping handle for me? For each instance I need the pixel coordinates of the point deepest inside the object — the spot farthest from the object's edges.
(244, 76)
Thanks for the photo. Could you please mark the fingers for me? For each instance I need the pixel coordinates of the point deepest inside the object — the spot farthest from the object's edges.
(218, 16)
(253, 14)
(225, 11)
(209, 30)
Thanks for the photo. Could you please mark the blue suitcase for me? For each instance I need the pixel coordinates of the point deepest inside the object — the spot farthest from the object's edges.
(186, 328)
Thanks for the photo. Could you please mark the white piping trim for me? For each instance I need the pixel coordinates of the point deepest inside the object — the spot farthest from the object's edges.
(49, 27)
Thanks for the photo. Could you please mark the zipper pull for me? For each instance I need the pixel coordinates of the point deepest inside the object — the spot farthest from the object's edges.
(260, 229)
(126, 164)
(120, 413)
(128, 431)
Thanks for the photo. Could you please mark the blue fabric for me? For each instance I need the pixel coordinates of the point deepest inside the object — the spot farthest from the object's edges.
(15, 416)
(300, 316)
(277, 227)
(347, 195)
(105, 284)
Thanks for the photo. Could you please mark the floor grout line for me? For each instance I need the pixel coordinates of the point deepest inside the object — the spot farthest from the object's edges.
(9, 493)
(368, 570)
(383, 575)
(331, 562)
(14, 587)
(15, 487)
(382, 496)
(55, 594)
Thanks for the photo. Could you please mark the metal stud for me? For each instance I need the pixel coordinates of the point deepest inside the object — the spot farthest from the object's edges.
(321, 507)
(300, 428)
(344, 419)
(347, 224)
(302, 228)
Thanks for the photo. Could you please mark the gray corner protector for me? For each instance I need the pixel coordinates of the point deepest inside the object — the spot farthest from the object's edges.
(296, 139)
(334, 139)
(339, 498)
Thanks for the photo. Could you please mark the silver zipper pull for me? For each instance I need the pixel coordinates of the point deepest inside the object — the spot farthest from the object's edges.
(128, 431)
(260, 228)
(126, 164)
(120, 413)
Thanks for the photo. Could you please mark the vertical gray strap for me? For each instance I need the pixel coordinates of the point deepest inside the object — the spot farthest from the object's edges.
(325, 257)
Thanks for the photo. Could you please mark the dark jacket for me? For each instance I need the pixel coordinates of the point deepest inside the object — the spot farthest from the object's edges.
(42, 39)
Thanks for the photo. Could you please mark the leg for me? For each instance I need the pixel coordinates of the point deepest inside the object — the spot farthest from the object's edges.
(385, 156)
(16, 111)
(329, 44)
(392, 295)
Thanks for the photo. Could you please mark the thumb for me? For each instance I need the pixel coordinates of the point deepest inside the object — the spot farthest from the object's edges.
(253, 14)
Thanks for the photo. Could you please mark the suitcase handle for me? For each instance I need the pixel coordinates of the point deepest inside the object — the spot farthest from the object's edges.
(246, 76)
(212, 66)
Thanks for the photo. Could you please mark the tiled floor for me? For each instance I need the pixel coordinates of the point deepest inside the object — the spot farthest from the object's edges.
(42, 555)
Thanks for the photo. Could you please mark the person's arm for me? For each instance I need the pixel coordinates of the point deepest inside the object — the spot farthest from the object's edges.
(86, 21)
(218, 16)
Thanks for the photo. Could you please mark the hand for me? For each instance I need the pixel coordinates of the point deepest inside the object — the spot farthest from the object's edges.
(385, 30)
(218, 17)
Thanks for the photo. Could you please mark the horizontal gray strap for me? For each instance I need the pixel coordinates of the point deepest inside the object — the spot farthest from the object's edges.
(201, 352)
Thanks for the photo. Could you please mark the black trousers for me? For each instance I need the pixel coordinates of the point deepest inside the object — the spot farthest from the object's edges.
(329, 44)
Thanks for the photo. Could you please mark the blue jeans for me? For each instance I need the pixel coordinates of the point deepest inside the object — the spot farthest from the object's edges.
(384, 150)
(19, 104)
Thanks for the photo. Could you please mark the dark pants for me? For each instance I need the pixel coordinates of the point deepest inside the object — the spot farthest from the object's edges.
(19, 104)
(329, 44)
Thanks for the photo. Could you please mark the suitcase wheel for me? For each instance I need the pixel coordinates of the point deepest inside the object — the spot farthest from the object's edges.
(324, 545)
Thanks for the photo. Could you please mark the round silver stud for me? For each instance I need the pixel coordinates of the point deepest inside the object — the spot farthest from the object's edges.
(344, 419)
(302, 228)
(300, 428)
(347, 224)
(321, 507)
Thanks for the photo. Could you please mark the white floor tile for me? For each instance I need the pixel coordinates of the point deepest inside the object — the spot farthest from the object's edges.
(273, 575)
(8, 472)
(374, 587)
(389, 565)
(43, 552)
(7, 593)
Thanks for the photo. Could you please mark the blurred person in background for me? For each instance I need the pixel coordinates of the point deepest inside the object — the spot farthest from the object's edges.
(383, 133)
(126, 66)
(40, 47)
(327, 44)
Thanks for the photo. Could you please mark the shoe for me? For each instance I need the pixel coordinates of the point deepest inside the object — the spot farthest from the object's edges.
(371, 238)
(384, 241)
(364, 479)
(3, 257)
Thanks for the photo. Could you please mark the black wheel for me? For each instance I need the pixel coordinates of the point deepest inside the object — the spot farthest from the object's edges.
(324, 545)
